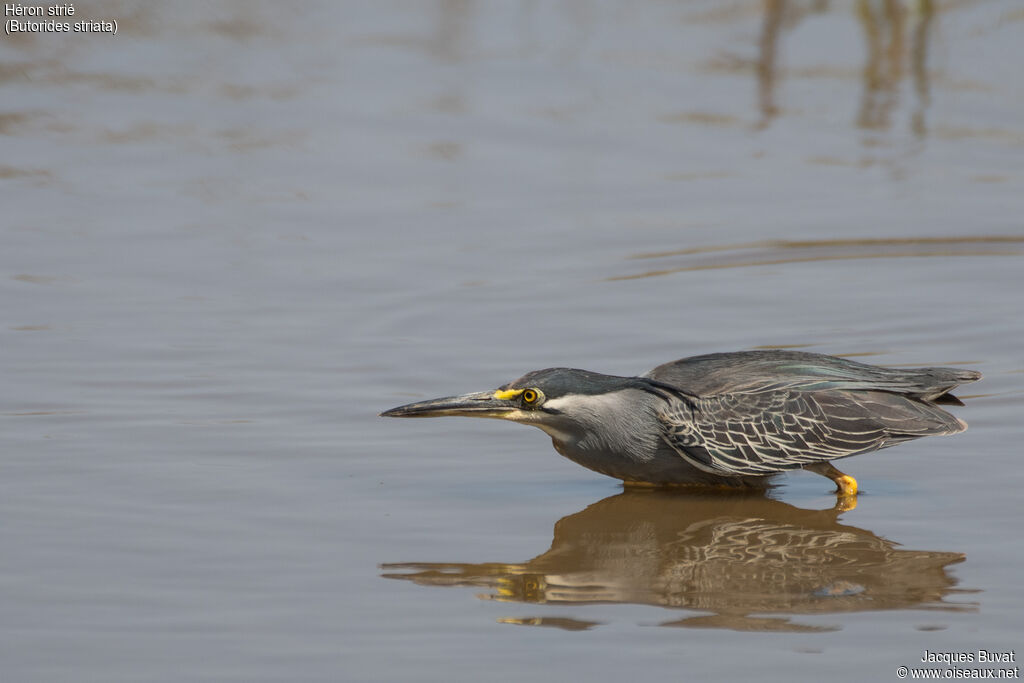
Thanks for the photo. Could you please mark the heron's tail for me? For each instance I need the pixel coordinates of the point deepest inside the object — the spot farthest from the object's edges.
(934, 384)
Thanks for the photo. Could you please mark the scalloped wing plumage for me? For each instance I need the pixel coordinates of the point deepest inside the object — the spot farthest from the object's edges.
(772, 429)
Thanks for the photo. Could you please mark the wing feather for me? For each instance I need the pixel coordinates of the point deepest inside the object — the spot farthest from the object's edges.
(772, 430)
(747, 372)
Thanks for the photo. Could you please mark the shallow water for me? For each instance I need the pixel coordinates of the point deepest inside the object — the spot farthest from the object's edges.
(232, 236)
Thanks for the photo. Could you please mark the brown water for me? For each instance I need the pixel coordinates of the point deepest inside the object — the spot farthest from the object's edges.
(234, 233)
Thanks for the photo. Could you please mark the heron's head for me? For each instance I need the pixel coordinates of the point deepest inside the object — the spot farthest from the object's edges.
(554, 399)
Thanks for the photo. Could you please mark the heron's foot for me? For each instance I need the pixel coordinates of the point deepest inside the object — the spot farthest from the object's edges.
(845, 484)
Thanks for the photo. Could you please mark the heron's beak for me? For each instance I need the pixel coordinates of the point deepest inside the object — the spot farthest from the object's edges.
(498, 404)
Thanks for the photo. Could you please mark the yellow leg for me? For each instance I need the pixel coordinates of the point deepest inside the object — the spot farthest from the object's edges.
(847, 485)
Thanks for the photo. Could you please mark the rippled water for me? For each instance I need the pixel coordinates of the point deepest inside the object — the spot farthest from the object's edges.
(233, 235)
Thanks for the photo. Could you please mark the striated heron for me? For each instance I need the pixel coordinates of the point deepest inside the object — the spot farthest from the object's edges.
(721, 419)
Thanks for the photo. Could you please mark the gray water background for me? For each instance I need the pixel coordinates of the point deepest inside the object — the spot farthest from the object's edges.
(235, 232)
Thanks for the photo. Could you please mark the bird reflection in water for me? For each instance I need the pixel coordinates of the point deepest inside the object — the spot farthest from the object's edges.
(734, 557)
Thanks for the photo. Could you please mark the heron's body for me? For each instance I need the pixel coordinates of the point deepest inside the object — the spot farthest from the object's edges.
(724, 418)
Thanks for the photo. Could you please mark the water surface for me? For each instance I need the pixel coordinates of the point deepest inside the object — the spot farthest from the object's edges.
(233, 235)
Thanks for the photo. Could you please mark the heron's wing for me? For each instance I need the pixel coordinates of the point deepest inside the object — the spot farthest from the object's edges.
(769, 431)
(758, 371)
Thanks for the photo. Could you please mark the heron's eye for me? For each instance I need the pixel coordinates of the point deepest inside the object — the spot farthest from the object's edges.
(530, 396)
